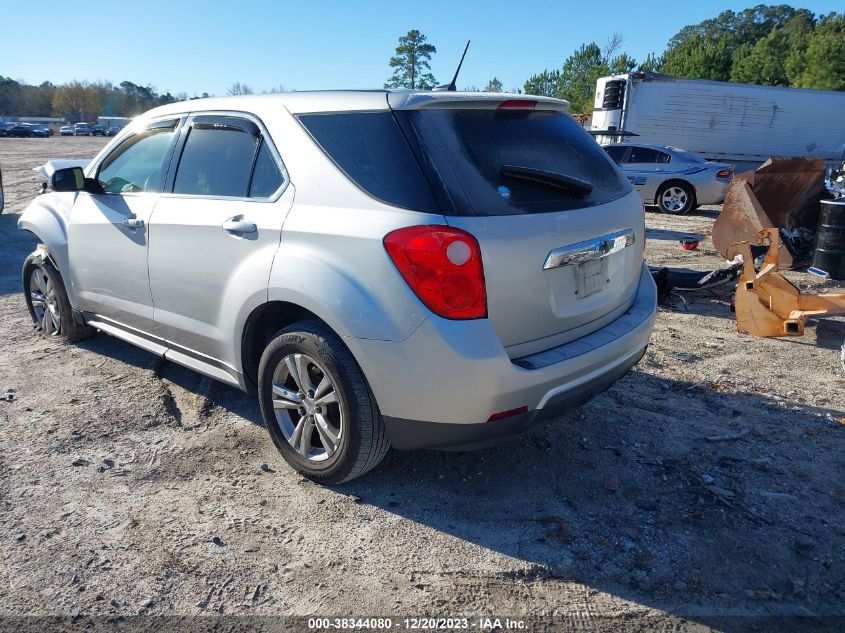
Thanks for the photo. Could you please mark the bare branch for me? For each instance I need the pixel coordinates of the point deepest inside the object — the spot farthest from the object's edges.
(613, 44)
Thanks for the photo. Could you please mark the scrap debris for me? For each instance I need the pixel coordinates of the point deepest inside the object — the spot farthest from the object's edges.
(676, 280)
(783, 193)
(769, 305)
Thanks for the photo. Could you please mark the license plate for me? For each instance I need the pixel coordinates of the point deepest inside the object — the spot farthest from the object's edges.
(591, 277)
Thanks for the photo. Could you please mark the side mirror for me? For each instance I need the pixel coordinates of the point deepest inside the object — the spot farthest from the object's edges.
(70, 179)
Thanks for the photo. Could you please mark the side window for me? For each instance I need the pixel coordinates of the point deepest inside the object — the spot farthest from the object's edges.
(643, 155)
(616, 153)
(138, 163)
(371, 150)
(218, 157)
(266, 178)
(663, 157)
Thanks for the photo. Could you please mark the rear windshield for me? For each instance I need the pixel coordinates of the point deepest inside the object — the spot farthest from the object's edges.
(487, 150)
(469, 162)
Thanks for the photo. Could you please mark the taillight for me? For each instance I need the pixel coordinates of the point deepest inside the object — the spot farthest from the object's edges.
(724, 173)
(442, 265)
(518, 104)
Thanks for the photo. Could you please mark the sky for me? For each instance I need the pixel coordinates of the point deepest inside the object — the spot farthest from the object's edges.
(195, 47)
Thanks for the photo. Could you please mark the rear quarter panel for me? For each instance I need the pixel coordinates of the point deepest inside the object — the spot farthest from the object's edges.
(331, 260)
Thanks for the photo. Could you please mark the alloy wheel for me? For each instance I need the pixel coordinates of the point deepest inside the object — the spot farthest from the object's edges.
(673, 199)
(306, 405)
(45, 304)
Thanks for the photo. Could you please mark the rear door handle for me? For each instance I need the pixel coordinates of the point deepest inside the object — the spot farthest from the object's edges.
(133, 223)
(239, 226)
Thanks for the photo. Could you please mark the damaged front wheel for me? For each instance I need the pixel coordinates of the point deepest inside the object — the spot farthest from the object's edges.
(48, 302)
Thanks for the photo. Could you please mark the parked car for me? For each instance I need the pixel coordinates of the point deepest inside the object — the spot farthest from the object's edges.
(82, 129)
(445, 293)
(5, 127)
(99, 130)
(669, 178)
(20, 130)
(40, 130)
(112, 131)
(66, 130)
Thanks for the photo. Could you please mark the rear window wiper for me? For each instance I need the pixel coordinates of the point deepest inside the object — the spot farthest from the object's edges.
(548, 178)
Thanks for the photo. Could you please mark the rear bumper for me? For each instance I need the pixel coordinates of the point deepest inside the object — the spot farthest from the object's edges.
(437, 388)
(413, 434)
(711, 192)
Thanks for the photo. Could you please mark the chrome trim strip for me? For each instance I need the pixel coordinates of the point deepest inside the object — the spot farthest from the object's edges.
(587, 250)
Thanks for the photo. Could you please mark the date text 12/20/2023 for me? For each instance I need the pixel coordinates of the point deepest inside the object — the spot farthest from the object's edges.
(416, 624)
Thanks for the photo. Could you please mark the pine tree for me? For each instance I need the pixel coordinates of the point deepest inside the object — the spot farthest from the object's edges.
(494, 85)
(411, 64)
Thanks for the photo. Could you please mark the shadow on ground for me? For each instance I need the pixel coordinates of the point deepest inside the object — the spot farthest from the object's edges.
(709, 213)
(217, 393)
(627, 495)
(16, 245)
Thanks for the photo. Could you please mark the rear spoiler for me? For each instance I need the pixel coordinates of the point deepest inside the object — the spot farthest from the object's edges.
(468, 100)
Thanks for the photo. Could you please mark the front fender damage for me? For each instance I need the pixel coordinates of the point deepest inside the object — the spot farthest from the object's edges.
(46, 217)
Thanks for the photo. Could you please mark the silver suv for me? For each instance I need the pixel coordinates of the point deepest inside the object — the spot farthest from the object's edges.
(406, 269)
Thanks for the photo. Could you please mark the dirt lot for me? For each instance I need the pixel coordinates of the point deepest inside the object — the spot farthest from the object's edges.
(129, 485)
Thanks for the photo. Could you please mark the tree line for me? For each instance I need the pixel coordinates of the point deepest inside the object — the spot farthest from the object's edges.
(79, 100)
(768, 45)
(83, 100)
(773, 45)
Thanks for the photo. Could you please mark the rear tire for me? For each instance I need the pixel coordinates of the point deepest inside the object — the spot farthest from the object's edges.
(47, 301)
(675, 198)
(317, 405)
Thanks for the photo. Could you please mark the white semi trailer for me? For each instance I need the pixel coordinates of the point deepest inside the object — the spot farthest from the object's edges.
(741, 124)
(113, 121)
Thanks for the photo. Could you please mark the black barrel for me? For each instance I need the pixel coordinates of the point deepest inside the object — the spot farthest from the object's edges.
(830, 242)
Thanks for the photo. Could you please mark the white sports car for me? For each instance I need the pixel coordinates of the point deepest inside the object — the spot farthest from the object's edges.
(669, 178)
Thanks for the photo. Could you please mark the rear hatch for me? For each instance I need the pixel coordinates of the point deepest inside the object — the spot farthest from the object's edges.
(561, 231)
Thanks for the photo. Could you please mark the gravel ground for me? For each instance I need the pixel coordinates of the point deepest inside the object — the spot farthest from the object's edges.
(129, 485)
